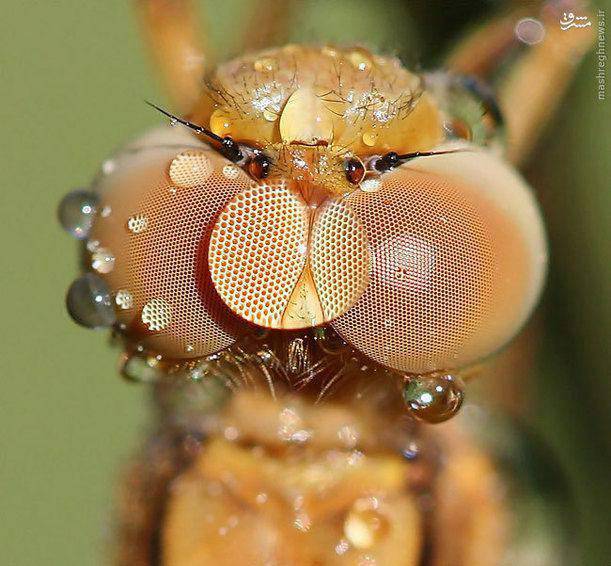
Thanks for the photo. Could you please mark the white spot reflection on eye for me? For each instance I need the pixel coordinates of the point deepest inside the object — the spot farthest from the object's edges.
(411, 261)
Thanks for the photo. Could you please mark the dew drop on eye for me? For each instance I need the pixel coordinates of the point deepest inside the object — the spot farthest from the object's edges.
(77, 211)
(435, 397)
(88, 302)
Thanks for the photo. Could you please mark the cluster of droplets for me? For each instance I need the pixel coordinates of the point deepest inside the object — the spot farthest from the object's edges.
(89, 300)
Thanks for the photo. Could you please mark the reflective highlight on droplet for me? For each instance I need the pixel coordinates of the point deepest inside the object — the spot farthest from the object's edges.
(76, 212)
(88, 302)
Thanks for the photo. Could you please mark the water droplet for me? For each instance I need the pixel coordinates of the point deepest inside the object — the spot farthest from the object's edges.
(329, 51)
(76, 212)
(102, 260)
(370, 185)
(88, 302)
(411, 450)
(200, 371)
(302, 522)
(360, 59)
(265, 356)
(139, 369)
(106, 211)
(265, 65)
(434, 397)
(190, 168)
(108, 166)
(342, 547)
(231, 172)
(156, 314)
(364, 525)
(93, 245)
(270, 115)
(220, 122)
(369, 138)
(189, 348)
(137, 223)
(124, 299)
(530, 31)
(348, 436)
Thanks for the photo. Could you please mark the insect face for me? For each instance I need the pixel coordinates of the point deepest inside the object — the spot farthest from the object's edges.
(421, 265)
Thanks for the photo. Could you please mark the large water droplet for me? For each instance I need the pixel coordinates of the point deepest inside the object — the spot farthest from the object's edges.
(88, 302)
(434, 397)
(76, 212)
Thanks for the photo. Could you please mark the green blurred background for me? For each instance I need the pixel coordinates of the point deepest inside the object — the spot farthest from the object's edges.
(73, 77)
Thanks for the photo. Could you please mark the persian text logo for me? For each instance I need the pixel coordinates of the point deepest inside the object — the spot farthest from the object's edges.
(601, 54)
(570, 20)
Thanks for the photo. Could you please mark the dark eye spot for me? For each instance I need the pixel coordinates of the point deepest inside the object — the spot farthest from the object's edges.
(355, 170)
(259, 165)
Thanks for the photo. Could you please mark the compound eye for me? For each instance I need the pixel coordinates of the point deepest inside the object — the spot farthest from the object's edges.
(355, 170)
(161, 207)
(278, 263)
(458, 261)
